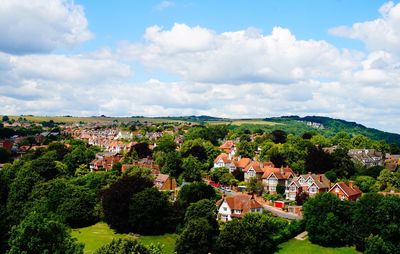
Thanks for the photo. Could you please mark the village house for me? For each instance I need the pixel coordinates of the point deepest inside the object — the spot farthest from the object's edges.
(237, 206)
(228, 147)
(7, 144)
(256, 169)
(309, 183)
(104, 161)
(272, 177)
(346, 192)
(392, 161)
(230, 162)
(124, 135)
(165, 183)
(367, 157)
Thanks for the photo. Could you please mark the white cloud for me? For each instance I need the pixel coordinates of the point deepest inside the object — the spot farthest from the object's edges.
(164, 5)
(41, 26)
(380, 34)
(200, 54)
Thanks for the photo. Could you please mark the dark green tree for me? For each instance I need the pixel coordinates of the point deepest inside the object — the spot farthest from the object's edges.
(116, 199)
(150, 212)
(5, 155)
(38, 234)
(194, 192)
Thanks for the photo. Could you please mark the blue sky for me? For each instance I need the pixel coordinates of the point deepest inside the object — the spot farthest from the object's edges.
(236, 59)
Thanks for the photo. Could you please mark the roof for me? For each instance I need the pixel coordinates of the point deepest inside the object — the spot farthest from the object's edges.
(224, 157)
(256, 165)
(242, 202)
(280, 173)
(161, 178)
(227, 145)
(349, 191)
(242, 163)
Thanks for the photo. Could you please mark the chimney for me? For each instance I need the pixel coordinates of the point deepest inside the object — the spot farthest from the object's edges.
(351, 184)
(282, 170)
(320, 178)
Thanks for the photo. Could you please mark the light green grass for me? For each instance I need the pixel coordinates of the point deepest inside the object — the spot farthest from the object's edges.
(306, 247)
(99, 234)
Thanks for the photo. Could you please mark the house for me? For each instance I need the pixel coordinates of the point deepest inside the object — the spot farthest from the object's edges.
(309, 183)
(6, 144)
(273, 177)
(228, 147)
(346, 192)
(124, 135)
(104, 161)
(230, 162)
(367, 157)
(255, 169)
(164, 182)
(392, 161)
(237, 206)
(224, 160)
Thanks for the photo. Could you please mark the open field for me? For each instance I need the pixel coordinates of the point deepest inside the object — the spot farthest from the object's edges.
(74, 119)
(99, 234)
(306, 247)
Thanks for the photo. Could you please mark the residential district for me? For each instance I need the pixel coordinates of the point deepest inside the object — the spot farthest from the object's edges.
(251, 171)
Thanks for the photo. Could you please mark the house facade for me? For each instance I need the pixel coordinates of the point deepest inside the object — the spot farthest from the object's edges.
(346, 192)
(309, 183)
(237, 206)
(272, 177)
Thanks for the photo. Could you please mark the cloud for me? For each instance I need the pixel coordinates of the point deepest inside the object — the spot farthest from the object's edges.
(41, 26)
(200, 54)
(379, 34)
(164, 5)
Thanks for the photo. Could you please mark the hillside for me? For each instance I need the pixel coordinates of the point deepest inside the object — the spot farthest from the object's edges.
(330, 126)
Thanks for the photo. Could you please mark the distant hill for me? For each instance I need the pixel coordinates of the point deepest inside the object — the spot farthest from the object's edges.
(330, 126)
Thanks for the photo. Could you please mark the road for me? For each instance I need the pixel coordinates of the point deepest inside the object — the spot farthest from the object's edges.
(282, 214)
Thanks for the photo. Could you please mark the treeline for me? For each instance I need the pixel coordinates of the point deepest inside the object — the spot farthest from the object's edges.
(372, 223)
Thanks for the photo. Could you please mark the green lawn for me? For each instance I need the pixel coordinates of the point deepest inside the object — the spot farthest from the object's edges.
(306, 247)
(99, 234)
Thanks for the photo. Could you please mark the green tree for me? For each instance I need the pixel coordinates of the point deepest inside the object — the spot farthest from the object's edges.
(255, 186)
(38, 234)
(5, 119)
(192, 169)
(116, 199)
(327, 220)
(255, 233)
(127, 246)
(5, 155)
(376, 245)
(196, 238)
(365, 183)
(191, 193)
(166, 144)
(150, 212)
(217, 173)
(246, 149)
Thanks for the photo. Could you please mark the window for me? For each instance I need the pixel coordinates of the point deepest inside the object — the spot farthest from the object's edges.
(272, 188)
(313, 189)
(337, 189)
(292, 188)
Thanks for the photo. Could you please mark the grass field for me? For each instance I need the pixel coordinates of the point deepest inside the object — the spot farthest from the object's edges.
(74, 119)
(99, 234)
(306, 247)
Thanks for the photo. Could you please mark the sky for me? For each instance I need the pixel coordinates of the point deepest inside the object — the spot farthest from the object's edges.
(235, 59)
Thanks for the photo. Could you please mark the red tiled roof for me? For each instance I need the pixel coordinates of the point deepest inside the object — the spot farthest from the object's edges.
(242, 202)
(223, 156)
(280, 173)
(349, 191)
(227, 145)
(242, 163)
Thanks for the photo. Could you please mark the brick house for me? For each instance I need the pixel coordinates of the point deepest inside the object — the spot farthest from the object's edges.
(346, 192)
(272, 177)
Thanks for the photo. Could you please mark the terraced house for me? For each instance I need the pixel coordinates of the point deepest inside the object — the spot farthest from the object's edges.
(310, 183)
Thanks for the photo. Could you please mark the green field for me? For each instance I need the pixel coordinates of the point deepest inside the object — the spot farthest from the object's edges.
(74, 119)
(306, 247)
(99, 234)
